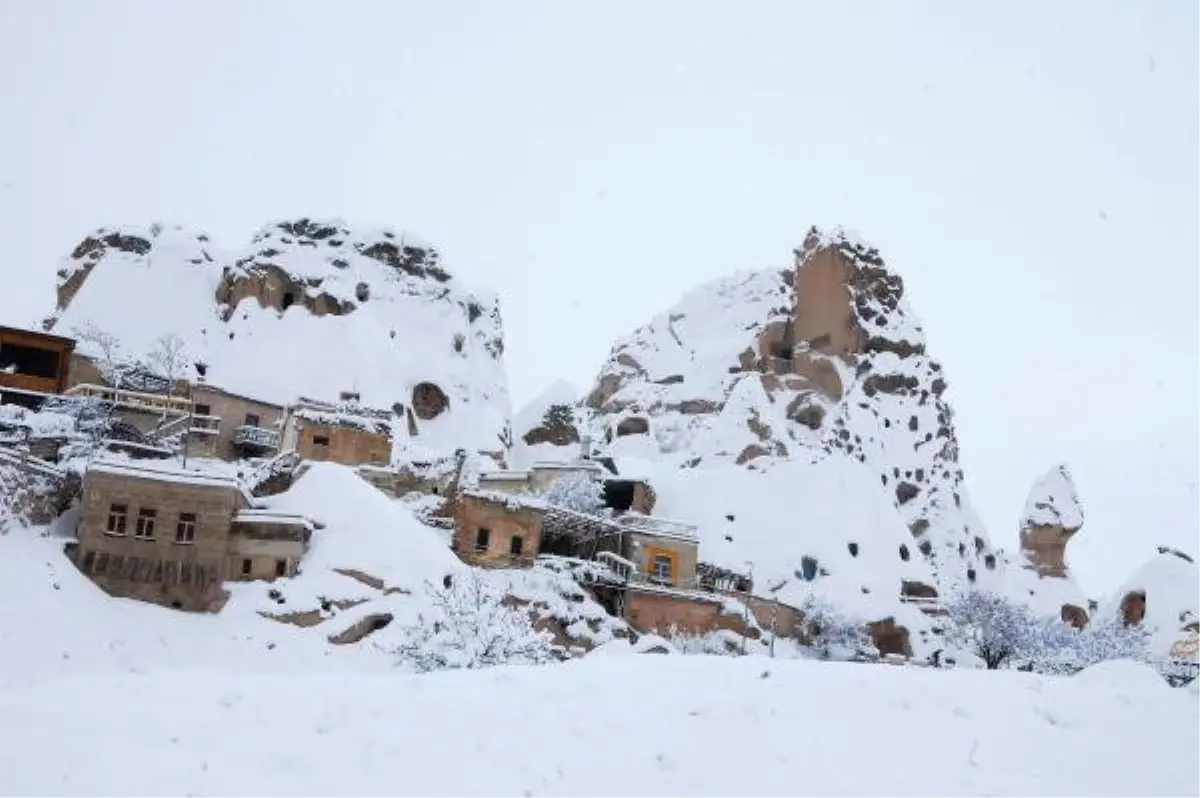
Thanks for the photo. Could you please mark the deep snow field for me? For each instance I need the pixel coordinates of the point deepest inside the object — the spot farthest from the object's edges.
(606, 725)
(104, 696)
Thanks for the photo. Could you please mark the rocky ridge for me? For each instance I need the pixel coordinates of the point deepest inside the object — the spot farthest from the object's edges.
(409, 335)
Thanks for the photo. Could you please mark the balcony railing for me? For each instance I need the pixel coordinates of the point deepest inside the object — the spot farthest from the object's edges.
(246, 435)
(133, 399)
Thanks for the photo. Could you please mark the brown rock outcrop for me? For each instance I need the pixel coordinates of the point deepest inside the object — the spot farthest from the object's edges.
(1073, 615)
(1052, 517)
(1133, 607)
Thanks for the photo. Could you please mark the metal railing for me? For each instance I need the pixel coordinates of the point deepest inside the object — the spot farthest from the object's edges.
(255, 436)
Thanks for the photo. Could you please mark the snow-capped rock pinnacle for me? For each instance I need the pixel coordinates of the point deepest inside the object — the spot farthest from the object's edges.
(823, 356)
(1053, 515)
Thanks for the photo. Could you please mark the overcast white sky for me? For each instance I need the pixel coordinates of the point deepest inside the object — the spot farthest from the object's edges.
(1030, 168)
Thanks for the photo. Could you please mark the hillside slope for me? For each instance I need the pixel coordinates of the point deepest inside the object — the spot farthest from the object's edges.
(307, 308)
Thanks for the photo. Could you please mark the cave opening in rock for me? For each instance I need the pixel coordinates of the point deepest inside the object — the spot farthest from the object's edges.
(618, 494)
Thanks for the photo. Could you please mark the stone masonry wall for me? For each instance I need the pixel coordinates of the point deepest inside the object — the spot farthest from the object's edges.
(159, 570)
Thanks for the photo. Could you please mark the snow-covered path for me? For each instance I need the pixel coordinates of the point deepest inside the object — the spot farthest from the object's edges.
(624, 725)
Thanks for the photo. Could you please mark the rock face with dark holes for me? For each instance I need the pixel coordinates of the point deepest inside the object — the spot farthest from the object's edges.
(634, 425)
(429, 401)
(830, 342)
(1053, 515)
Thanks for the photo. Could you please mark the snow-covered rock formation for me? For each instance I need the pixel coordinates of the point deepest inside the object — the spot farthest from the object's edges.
(308, 308)
(1163, 594)
(761, 368)
(1053, 514)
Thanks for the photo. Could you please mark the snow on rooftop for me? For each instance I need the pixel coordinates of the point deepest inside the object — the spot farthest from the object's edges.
(1053, 501)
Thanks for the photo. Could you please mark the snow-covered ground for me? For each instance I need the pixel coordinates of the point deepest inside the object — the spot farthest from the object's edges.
(634, 725)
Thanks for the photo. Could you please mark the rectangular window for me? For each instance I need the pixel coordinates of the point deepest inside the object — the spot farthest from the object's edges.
(203, 410)
(117, 514)
(246, 566)
(320, 440)
(515, 545)
(172, 572)
(89, 559)
(482, 538)
(185, 529)
(116, 566)
(281, 567)
(251, 419)
(145, 523)
(660, 568)
(102, 563)
(185, 573)
(132, 567)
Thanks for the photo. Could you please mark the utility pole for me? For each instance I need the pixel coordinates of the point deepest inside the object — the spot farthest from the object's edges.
(746, 606)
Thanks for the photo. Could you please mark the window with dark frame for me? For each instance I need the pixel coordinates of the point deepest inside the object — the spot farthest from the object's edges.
(516, 545)
(483, 537)
(252, 420)
(281, 567)
(203, 410)
(246, 566)
(661, 567)
(117, 513)
(145, 523)
(320, 440)
(185, 529)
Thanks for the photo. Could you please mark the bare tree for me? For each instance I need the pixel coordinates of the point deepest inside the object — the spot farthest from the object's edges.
(169, 359)
(111, 360)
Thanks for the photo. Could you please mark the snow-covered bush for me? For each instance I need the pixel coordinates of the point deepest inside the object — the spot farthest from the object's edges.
(470, 626)
(721, 641)
(993, 628)
(1062, 649)
(830, 634)
(578, 493)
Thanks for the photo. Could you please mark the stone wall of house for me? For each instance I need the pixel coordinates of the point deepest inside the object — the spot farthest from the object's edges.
(82, 371)
(503, 524)
(347, 445)
(160, 570)
(234, 411)
(641, 548)
(265, 550)
(664, 612)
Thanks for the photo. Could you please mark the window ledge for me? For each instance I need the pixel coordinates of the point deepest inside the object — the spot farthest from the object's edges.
(115, 534)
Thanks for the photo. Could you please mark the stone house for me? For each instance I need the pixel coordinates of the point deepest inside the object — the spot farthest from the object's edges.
(495, 530)
(173, 537)
(232, 426)
(345, 432)
(32, 364)
(663, 552)
(621, 495)
(264, 544)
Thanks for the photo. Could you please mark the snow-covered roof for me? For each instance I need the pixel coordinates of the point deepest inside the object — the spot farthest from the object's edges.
(163, 474)
(267, 516)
